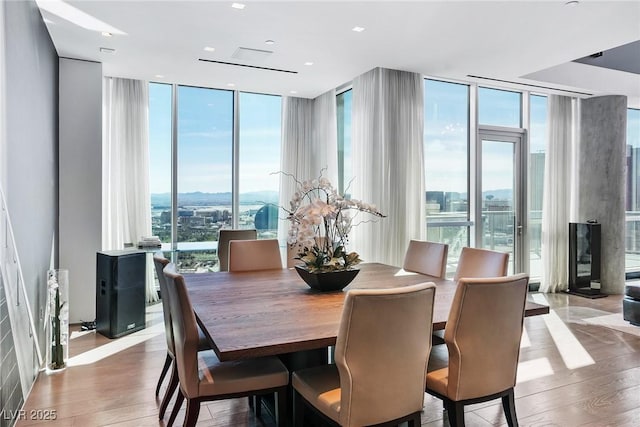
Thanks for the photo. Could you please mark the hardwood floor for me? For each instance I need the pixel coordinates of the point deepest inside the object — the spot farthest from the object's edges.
(571, 373)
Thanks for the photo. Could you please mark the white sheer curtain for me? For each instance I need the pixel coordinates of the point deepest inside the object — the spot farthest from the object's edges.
(388, 163)
(126, 200)
(556, 206)
(309, 146)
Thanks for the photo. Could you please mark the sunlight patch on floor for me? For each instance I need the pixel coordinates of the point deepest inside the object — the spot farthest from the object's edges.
(533, 369)
(155, 327)
(78, 334)
(572, 352)
(525, 342)
(116, 346)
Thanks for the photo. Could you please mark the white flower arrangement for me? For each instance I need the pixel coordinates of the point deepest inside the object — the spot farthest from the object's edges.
(320, 224)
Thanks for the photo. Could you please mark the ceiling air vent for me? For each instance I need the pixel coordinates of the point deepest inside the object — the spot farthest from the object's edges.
(247, 54)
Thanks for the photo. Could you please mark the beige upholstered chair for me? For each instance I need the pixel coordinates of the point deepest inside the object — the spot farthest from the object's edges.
(160, 262)
(478, 263)
(202, 376)
(426, 258)
(252, 255)
(224, 237)
(483, 335)
(381, 358)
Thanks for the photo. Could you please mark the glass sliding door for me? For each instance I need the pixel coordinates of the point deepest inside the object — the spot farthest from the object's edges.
(500, 198)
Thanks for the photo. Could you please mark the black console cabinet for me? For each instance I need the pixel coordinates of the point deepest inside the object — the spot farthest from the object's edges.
(120, 292)
(584, 259)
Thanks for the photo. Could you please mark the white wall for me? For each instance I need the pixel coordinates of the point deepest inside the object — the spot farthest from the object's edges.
(29, 175)
(3, 150)
(80, 177)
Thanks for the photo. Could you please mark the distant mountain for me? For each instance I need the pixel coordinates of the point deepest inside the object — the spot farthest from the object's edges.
(212, 199)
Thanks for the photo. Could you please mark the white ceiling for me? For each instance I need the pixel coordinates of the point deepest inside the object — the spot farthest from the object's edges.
(530, 42)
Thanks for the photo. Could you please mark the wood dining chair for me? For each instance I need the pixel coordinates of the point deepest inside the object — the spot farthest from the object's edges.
(159, 262)
(252, 255)
(202, 377)
(381, 354)
(482, 335)
(478, 263)
(224, 237)
(428, 258)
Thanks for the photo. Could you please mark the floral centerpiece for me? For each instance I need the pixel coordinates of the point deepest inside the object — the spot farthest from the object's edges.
(321, 220)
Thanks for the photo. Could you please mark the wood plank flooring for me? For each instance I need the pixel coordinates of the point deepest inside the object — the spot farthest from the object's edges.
(571, 374)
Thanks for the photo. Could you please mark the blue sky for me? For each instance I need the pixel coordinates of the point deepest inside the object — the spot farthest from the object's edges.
(205, 136)
(205, 131)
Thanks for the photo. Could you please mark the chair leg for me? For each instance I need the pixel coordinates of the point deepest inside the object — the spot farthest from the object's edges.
(165, 368)
(193, 410)
(176, 408)
(455, 412)
(173, 384)
(298, 409)
(416, 421)
(257, 406)
(281, 406)
(509, 405)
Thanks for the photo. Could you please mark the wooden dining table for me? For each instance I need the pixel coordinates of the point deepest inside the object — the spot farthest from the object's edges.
(273, 312)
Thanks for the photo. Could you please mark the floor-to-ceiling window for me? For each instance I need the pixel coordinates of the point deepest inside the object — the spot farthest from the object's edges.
(537, 149)
(632, 259)
(224, 169)
(205, 147)
(343, 111)
(476, 195)
(160, 129)
(446, 160)
(259, 162)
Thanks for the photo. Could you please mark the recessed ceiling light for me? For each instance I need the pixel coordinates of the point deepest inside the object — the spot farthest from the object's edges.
(107, 34)
(107, 50)
(160, 76)
(237, 6)
(294, 91)
(269, 42)
(358, 29)
(572, 3)
(308, 63)
(231, 84)
(209, 48)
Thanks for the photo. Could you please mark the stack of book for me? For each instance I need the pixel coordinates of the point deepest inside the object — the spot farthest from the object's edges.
(150, 242)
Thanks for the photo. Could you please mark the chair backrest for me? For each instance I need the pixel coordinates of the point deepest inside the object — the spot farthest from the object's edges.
(382, 349)
(224, 236)
(479, 263)
(483, 335)
(251, 255)
(426, 258)
(159, 261)
(185, 332)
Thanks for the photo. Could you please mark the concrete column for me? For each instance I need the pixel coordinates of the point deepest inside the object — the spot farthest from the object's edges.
(601, 152)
